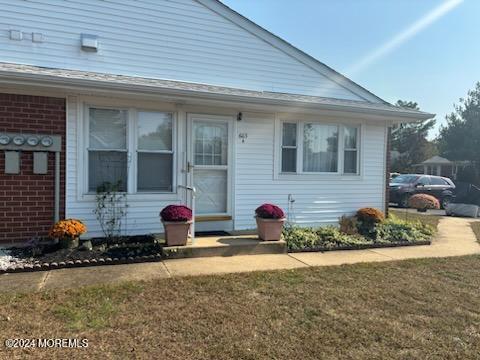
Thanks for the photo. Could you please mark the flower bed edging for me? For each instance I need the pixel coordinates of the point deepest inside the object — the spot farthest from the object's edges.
(361, 247)
(83, 263)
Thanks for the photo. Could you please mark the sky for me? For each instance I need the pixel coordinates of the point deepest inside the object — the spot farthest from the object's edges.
(426, 51)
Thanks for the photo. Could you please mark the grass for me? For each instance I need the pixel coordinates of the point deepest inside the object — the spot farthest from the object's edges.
(476, 229)
(414, 309)
(409, 216)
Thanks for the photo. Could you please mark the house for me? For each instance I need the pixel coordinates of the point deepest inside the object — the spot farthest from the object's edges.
(170, 95)
(437, 165)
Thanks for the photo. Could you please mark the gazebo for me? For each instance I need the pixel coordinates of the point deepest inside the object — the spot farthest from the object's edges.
(440, 166)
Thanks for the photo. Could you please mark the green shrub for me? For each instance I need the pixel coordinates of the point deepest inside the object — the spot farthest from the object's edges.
(299, 238)
(395, 230)
(391, 230)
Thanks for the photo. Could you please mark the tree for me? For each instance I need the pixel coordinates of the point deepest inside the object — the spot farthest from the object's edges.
(410, 140)
(460, 138)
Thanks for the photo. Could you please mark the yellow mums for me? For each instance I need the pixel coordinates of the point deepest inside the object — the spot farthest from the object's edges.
(68, 228)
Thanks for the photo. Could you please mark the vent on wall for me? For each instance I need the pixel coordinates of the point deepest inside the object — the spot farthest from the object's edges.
(89, 42)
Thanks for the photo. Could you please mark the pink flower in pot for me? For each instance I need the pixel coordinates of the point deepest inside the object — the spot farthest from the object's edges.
(176, 220)
(270, 219)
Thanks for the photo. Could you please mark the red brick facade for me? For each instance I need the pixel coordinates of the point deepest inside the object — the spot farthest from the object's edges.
(27, 200)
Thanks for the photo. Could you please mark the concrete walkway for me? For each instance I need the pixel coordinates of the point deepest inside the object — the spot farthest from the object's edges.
(455, 238)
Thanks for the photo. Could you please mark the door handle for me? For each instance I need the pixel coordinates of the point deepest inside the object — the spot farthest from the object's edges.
(190, 166)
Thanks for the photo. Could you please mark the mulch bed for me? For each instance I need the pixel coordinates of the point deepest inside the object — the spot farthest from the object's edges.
(51, 256)
(361, 247)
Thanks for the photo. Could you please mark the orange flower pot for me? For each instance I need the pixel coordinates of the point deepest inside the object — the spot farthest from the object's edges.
(269, 229)
(176, 233)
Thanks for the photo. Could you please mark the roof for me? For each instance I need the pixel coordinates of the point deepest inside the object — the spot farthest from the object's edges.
(436, 160)
(17, 72)
(276, 41)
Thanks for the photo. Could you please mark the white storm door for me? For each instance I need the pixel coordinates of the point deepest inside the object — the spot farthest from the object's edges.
(209, 164)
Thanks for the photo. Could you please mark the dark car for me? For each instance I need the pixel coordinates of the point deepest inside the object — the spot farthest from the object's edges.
(404, 186)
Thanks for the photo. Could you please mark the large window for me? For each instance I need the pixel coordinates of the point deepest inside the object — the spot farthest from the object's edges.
(310, 147)
(130, 146)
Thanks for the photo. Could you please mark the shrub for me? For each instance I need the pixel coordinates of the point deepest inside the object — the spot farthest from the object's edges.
(176, 213)
(348, 225)
(299, 238)
(368, 218)
(269, 211)
(423, 202)
(370, 215)
(330, 237)
(111, 208)
(395, 230)
(68, 228)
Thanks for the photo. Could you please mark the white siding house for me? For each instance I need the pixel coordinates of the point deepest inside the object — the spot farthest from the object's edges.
(189, 93)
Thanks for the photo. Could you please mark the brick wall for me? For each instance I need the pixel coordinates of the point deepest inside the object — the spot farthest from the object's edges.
(26, 199)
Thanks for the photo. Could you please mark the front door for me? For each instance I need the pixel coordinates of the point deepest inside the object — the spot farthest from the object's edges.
(209, 165)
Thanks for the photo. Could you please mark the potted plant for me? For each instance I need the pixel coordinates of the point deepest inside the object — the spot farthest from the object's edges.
(270, 219)
(176, 220)
(423, 202)
(68, 232)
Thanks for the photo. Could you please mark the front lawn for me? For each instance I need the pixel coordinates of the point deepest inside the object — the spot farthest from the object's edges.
(414, 309)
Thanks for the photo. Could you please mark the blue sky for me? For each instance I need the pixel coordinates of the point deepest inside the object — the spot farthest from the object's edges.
(434, 66)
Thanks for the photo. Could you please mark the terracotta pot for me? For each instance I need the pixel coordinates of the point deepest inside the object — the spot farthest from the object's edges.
(176, 233)
(68, 243)
(269, 229)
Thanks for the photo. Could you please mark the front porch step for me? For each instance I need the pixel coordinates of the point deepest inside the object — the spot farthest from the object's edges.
(225, 246)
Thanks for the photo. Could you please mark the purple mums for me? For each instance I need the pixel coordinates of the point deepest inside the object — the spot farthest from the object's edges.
(269, 211)
(176, 213)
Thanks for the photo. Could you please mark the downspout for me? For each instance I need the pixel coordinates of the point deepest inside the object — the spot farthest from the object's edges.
(57, 187)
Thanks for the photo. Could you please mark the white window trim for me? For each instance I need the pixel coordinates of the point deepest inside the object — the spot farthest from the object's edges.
(132, 130)
(288, 146)
(327, 176)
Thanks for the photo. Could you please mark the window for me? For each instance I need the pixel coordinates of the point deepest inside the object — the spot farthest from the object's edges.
(438, 181)
(424, 180)
(122, 142)
(320, 148)
(154, 152)
(289, 147)
(107, 151)
(312, 147)
(350, 151)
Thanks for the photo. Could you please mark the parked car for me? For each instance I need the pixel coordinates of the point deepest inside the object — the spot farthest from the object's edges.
(404, 186)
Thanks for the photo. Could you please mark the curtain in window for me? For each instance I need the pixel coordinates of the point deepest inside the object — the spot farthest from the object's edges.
(320, 148)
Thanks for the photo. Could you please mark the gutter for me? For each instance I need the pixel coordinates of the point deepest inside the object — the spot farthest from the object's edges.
(70, 83)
